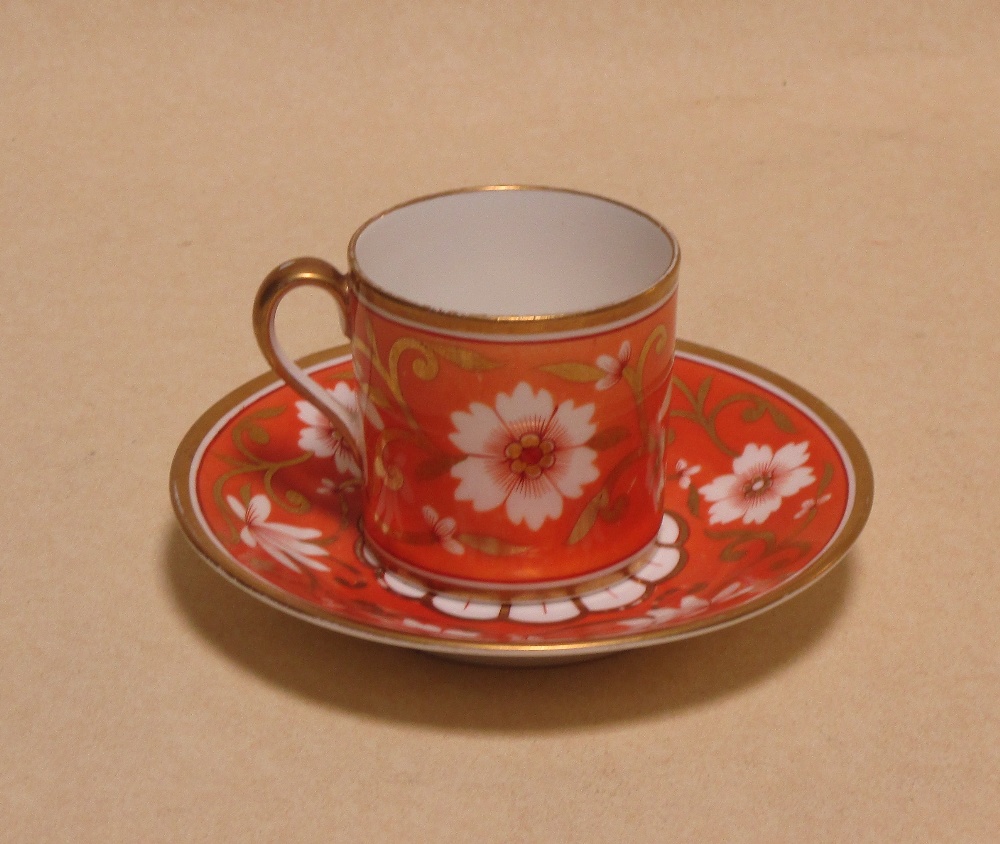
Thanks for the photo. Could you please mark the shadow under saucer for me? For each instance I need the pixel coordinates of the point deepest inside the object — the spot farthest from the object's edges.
(403, 685)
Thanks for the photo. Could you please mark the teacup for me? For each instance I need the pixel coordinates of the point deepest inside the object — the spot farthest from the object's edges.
(513, 348)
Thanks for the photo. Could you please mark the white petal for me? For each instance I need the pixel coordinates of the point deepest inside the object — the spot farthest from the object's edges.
(789, 483)
(669, 531)
(282, 549)
(733, 590)
(258, 509)
(571, 425)
(430, 515)
(636, 623)
(284, 553)
(237, 506)
(281, 557)
(574, 468)
(345, 462)
(752, 459)
(322, 442)
(691, 604)
(310, 414)
(664, 561)
(544, 612)
(301, 551)
(533, 503)
(421, 626)
(248, 537)
(344, 394)
(726, 510)
(347, 398)
(625, 352)
(461, 634)
(478, 483)
(445, 527)
(308, 562)
(724, 486)
(402, 586)
(610, 365)
(524, 410)
(620, 595)
(662, 614)
(791, 456)
(762, 507)
(452, 545)
(282, 531)
(462, 608)
(476, 429)
(607, 382)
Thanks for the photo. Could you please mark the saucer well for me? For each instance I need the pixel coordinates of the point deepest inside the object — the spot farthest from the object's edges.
(766, 490)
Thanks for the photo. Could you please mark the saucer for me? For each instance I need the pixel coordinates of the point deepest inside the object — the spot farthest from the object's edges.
(766, 490)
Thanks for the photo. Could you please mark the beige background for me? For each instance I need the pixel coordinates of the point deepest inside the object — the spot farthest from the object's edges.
(834, 178)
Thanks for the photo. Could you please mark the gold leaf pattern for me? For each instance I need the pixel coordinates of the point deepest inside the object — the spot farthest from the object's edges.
(465, 358)
(588, 517)
(492, 545)
(608, 438)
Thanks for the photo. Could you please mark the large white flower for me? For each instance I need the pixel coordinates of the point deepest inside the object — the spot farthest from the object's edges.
(760, 480)
(285, 543)
(525, 453)
(322, 439)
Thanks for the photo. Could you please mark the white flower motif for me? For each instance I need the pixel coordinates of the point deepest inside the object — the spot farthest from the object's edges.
(614, 367)
(684, 472)
(444, 531)
(736, 589)
(283, 542)
(525, 453)
(760, 480)
(322, 439)
(425, 627)
(811, 504)
(692, 605)
(326, 486)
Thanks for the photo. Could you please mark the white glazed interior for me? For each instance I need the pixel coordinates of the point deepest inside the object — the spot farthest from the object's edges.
(514, 252)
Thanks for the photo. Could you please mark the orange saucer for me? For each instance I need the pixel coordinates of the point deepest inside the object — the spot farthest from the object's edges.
(766, 490)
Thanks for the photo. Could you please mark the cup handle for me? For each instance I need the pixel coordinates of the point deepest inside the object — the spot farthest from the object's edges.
(284, 278)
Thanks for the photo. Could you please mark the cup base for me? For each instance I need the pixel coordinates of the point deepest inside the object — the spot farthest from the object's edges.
(510, 592)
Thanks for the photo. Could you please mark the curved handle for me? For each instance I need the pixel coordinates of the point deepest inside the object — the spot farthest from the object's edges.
(284, 278)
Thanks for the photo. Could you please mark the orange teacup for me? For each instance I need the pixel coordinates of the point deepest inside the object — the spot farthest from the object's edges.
(513, 348)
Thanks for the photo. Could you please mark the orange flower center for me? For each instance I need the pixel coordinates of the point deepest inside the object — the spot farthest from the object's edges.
(530, 455)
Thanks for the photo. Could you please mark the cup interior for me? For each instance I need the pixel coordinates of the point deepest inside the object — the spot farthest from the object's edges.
(514, 252)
